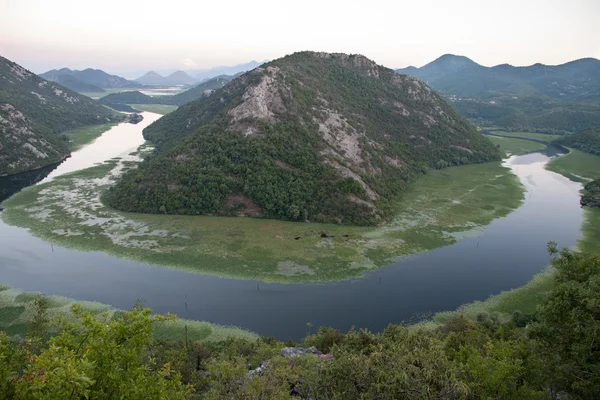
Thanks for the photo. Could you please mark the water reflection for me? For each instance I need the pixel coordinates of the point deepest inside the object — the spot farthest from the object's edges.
(12, 184)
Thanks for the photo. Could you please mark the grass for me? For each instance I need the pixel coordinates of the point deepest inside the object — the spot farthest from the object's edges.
(515, 146)
(155, 108)
(16, 311)
(86, 134)
(437, 210)
(577, 166)
(526, 135)
(590, 238)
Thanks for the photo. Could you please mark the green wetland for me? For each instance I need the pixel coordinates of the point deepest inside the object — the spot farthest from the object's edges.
(461, 234)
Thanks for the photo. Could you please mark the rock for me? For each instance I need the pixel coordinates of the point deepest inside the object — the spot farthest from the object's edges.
(299, 351)
(134, 118)
(258, 369)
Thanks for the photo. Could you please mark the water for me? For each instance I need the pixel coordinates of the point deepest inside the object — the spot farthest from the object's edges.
(506, 255)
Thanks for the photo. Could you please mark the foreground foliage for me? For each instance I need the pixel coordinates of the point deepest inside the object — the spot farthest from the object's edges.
(591, 194)
(551, 353)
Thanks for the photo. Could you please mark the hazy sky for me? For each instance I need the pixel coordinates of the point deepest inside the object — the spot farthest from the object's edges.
(135, 35)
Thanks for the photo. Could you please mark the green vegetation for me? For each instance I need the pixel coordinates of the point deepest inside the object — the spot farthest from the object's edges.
(577, 166)
(543, 137)
(137, 97)
(552, 99)
(300, 140)
(587, 141)
(590, 238)
(154, 108)
(591, 194)
(515, 146)
(437, 210)
(17, 311)
(39, 111)
(81, 136)
(535, 355)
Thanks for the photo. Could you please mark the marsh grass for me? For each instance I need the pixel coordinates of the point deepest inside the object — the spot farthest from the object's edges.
(527, 135)
(438, 210)
(515, 146)
(577, 166)
(154, 108)
(86, 134)
(16, 311)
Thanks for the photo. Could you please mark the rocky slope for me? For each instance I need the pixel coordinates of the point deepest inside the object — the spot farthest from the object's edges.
(33, 112)
(308, 137)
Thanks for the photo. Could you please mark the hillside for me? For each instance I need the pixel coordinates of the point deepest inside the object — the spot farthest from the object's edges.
(562, 97)
(179, 78)
(587, 140)
(151, 78)
(89, 76)
(33, 112)
(136, 97)
(76, 85)
(311, 136)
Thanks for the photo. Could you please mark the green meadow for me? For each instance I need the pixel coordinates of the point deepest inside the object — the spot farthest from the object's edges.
(17, 310)
(577, 166)
(154, 108)
(438, 210)
(526, 135)
(512, 146)
(86, 134)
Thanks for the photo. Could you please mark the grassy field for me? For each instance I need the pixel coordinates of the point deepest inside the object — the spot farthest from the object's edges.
(86, 134)
(155, 108)
(515, 146)
(16, 311)
(438, 210)
(577, 166)
(526, 135)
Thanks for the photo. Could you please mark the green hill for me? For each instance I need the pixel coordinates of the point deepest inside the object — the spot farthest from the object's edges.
(545, 97)
(94, 77)
(587, 140)
(33, 113)
(308, 137)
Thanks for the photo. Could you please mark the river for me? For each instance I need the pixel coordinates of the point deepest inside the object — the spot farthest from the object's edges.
(509, 252)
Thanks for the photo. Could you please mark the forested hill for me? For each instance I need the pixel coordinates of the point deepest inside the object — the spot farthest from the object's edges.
(95, 77)
(33, 112)
(308, 137)
(587, 140)
(547, 97)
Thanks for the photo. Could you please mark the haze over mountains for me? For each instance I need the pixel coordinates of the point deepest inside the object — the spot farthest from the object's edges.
(561, 97)
(33, 113)
(175, 79)
(88, 80)
(311, 136)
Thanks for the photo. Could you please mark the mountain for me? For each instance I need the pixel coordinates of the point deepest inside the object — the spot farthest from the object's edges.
(94, 77)
(71, 82)
(180, 78)
(547, 97)
(33, 112)
(136, 97)
(151, 78)
(202, 75)
(308, 137)
(587, 140)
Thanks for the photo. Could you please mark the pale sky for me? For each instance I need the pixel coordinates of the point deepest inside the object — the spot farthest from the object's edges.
(138, 35)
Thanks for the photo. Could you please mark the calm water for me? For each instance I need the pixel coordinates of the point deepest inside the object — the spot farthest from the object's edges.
(506, 255)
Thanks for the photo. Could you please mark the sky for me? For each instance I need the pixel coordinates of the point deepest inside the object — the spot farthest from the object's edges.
(133, 36)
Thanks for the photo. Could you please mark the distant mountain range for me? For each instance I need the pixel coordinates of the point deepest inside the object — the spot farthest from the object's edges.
(195, 76)
(33, 113)
(88, 80)
(561, 97)
(137, 97)
(175, 79)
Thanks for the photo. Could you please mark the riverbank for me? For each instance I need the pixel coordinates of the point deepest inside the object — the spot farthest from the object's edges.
(437, 210)
(17, 311)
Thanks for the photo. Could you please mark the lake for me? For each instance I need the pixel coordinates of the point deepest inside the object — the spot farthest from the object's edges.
(507, 254)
